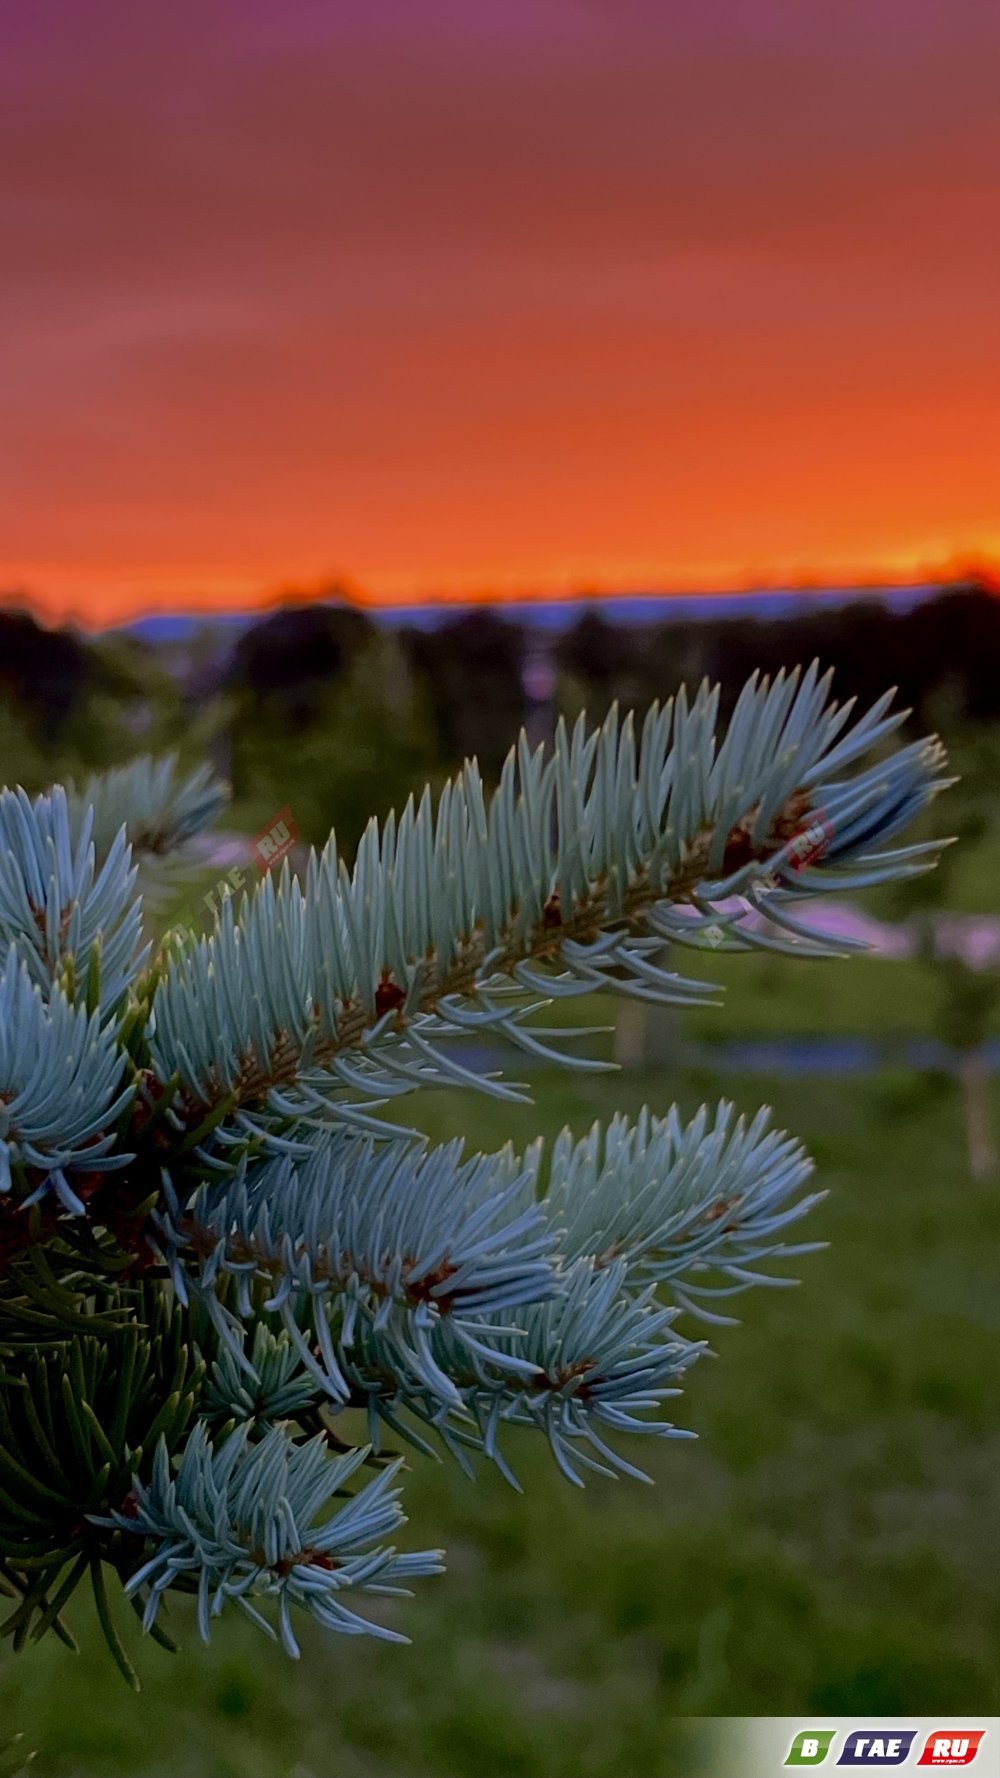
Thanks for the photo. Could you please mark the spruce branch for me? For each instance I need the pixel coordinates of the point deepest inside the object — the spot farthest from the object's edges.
(273, 1386)
(62, 1088)
(360, 1234)
(74, 922)
(603, 1360)
(161, 811)
(213, 1248)
(683, 1205)
(78, 1421)
(240, 1522)
(163, 815)
(411, 1280)
(335, 995)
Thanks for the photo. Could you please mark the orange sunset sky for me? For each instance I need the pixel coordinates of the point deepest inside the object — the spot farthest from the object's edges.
(492, 297)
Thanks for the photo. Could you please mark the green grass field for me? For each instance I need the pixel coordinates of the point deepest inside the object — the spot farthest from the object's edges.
(830, 1543)
(766, 996)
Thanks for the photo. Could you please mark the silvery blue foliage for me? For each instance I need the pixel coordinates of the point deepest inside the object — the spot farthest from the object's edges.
(682, 1203)
(604, 1361)
(215, 1246)
(417, 1281)
(163, 815)
(243, 1523)
(360, 1236)
(62, 1087)
(596, 1358)
(456, 920)
(272, 1386)
(61, 908)
(159, 810)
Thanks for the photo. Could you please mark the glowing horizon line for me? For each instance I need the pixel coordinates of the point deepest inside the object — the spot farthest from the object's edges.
(244, 595)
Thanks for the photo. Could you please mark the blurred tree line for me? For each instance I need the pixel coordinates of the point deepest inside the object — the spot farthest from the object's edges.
(317, 706)
(948, 643)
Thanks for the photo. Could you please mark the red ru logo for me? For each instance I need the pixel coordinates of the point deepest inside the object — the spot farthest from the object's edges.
(951, 1747)
(275, 840)
(810, 842)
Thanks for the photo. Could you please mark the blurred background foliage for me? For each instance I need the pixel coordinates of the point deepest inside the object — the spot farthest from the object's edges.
(831, 1542)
